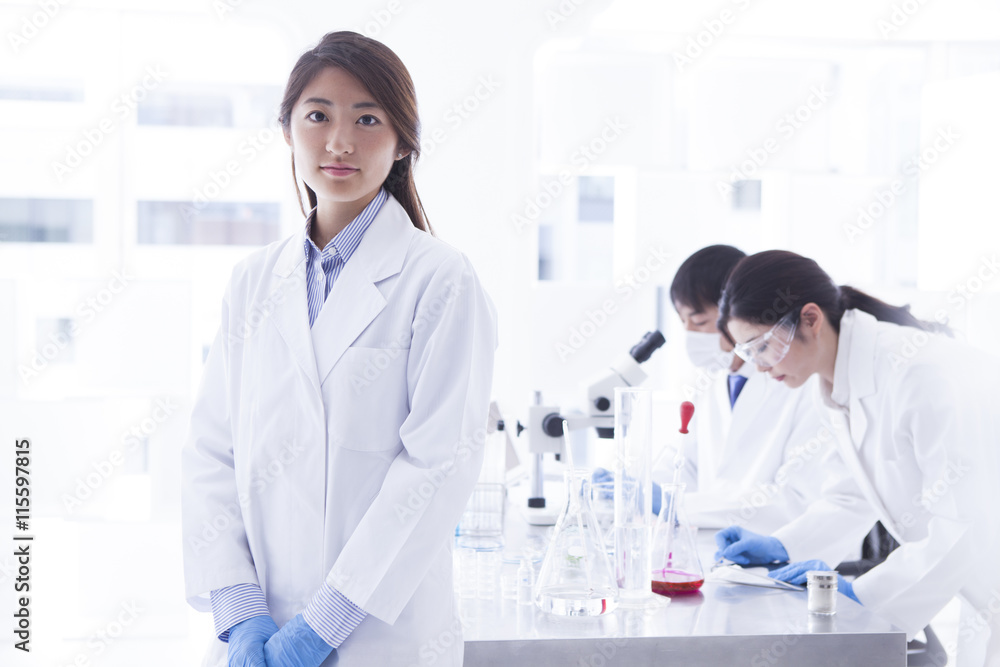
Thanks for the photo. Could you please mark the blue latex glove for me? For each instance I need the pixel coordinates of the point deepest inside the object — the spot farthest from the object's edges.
(246, 641)
(603, 475)
(296, 645)
(795, 573)
(743, 547)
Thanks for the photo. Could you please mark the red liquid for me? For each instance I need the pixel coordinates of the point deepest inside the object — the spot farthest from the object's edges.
(675, 582)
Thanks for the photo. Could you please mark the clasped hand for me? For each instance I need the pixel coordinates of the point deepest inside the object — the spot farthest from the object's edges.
(257, 642)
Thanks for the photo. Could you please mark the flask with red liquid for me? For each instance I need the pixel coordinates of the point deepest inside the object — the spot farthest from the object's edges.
(676, 565)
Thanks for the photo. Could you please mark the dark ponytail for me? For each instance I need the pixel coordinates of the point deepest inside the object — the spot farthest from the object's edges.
(765, 287)
(855, 298)
(383, 74)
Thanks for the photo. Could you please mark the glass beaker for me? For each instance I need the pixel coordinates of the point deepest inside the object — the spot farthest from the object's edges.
(481, 526)
(576, 578)
(676, 565)
(634, 517)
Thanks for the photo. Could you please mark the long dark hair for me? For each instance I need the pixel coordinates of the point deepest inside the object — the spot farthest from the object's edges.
(383, 74)
(765, 287)
(699, 281)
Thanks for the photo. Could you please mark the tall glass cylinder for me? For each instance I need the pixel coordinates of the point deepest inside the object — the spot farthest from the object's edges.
(633, 494)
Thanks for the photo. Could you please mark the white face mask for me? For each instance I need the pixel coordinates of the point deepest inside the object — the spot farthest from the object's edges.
(704, 352)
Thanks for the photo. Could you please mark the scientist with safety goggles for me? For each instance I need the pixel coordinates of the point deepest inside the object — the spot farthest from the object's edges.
(924, 428)
(759, 452)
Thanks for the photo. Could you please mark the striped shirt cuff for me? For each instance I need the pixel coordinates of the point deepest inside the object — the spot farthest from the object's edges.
(332, 616)
(234, 604)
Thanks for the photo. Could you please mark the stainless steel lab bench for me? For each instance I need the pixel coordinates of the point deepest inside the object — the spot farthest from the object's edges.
(722, 624)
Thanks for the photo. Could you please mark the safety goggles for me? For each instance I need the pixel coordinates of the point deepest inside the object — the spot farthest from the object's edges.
(771, 347)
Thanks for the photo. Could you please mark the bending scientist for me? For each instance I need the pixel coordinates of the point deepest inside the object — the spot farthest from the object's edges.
(760, 452)
(339, 425)
(924, 442)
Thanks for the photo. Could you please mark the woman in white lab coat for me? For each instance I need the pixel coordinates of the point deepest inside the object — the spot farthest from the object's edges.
(759, 452)
(924, 441)
(329, 461)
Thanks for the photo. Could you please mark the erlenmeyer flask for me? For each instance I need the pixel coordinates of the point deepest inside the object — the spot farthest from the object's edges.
(576, 578)
(676, 565)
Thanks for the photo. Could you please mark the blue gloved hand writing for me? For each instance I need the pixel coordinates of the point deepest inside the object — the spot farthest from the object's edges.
(743, 547)
(795, 573)
(246, 641)
(603, 475)
(296, 645)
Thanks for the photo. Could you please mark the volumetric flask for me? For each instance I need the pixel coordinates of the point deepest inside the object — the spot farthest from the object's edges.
(576, 578)
(676, 565)
(633, 494)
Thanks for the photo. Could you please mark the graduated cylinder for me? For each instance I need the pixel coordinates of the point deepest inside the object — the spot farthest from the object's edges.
(633, 493)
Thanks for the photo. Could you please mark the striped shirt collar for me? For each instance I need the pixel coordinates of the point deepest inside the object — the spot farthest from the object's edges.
(347, 240)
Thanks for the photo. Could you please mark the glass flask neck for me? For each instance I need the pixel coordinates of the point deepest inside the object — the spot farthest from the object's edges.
(671, 501)
(577, 487)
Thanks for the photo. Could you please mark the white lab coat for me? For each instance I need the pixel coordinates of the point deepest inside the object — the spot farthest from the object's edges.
(925, 436)
(345, 452)
(762, 462)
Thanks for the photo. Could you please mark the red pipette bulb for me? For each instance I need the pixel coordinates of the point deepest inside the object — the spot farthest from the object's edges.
(687, 411)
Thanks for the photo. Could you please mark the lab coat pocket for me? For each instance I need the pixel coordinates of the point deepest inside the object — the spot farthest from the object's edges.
(366, 398)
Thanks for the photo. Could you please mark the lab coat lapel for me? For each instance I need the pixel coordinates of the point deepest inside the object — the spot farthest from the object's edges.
(355, 300)
(747, 410)
(849, 452)
(290, 308)
(720, 396)
(861, 370)
(714, 423)
(857, 330)
(859, 423)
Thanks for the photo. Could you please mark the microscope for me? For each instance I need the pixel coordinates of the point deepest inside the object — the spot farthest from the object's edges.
(546, 431)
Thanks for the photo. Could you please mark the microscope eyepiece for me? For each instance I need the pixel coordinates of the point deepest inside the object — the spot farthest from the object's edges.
(651, 342)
